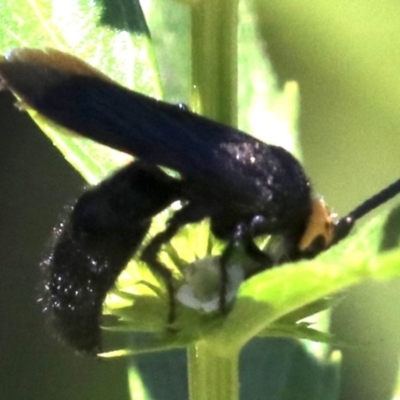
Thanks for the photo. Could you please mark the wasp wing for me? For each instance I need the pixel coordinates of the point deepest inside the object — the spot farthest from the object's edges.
(220, 161)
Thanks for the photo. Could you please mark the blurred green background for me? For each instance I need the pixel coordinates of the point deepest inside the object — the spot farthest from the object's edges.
(346, 58)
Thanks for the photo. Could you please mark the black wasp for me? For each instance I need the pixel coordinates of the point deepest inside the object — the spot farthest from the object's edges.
(244, 186)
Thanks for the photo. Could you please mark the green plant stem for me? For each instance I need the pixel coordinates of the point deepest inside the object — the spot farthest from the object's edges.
(214, 80)
(212, 377)
(215, 59)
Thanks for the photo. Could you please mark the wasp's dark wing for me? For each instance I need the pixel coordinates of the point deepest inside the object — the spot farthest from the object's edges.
(220, 161)
(155, 131)
(91, 248)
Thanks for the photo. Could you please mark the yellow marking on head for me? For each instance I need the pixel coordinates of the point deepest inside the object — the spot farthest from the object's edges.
(320, 225)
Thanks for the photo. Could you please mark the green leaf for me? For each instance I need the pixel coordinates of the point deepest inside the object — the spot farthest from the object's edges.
(87, 30)
(271, 295)
(266, 110)
(283, 369)
(272, 303)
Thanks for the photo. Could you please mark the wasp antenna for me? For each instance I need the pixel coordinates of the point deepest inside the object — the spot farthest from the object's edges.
(345, 224)
(375, 201)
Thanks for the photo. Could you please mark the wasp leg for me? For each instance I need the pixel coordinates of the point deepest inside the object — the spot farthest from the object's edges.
(186, 215)
(243, 238)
